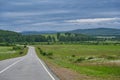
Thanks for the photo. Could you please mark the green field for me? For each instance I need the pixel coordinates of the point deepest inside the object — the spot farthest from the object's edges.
(101, 61)
(7, 52)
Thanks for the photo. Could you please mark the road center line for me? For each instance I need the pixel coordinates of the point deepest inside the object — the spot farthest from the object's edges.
(11, 65)
(46, 69)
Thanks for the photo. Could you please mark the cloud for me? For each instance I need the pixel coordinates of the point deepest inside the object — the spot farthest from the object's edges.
(21, 3)
(22, 22)
(58, 15)
(44, 23)
(27, 3)
(18, 14)
(35, 13)
(33, 2)
(94, 20)
(108, 13)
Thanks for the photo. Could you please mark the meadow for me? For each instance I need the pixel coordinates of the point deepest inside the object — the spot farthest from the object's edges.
(7, 52)
(100, 61)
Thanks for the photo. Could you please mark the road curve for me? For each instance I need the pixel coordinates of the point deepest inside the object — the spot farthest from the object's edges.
(29, 67)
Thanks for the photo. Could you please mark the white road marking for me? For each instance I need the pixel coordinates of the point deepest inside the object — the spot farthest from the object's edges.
(46, 70)
(43, 65)
(11, 65)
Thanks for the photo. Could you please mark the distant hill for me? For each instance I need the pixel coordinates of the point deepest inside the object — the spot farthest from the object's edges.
(97, 31)
(12, 37)
(6, 33)
(9, 36)
(37, 32)
(93, 31)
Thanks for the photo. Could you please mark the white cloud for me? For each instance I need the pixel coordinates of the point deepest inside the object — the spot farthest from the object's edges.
(45, 23)
(42, 23)
(94, 20)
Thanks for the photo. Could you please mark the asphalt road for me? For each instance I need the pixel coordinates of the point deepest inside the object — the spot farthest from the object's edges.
(29, 67)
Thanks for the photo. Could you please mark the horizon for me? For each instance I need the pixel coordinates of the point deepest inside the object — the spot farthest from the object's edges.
(72, 30)
(63, 15)
(60, 31)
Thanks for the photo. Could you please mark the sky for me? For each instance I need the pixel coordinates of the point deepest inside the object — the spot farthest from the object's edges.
(58, 15)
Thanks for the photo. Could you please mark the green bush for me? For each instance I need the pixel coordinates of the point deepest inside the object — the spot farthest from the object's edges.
(73, 55)
(41, 52)
(89, 58)
(21, 52)
(45, 53)
(17, 48)
(49, 54)
(79, 59)
(111, 57)
(25, 46)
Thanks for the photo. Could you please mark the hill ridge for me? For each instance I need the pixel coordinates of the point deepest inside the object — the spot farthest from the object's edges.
(97, 31)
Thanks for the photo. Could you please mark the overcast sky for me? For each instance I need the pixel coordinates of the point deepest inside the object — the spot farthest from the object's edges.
(58, 15)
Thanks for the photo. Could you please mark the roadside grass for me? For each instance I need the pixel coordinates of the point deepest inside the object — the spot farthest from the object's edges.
(91, 60)
(7, 52)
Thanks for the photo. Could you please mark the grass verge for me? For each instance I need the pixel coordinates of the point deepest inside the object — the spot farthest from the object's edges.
(12, 52)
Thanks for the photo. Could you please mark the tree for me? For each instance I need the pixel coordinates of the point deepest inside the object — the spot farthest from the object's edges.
(58, 35)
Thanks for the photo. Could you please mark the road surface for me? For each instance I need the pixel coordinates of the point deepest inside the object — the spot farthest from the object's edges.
(29, 67)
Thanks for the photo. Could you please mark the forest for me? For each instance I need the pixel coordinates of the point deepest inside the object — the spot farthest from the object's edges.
(13, 37)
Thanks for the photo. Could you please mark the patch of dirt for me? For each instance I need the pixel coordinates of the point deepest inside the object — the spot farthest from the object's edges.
(114, 62)
(67, 74)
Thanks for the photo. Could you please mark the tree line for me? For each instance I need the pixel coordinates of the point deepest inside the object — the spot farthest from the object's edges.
(12, 37)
